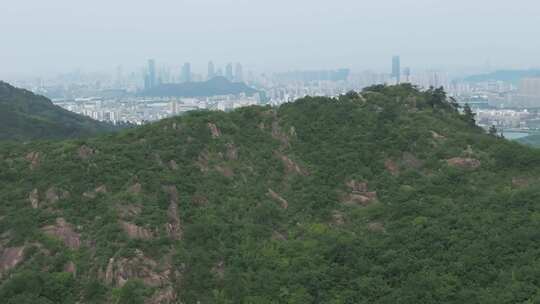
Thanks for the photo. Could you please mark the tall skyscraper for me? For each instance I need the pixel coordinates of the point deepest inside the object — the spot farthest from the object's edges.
(211, 70)
(239, 73)
(186, 72)
(151, 81)
(396, 68)
(229, 72)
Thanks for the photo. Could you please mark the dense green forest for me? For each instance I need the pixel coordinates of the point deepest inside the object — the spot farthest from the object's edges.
(26, 116)
(389, 195)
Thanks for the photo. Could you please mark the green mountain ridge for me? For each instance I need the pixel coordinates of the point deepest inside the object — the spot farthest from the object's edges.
(387, 196)
(26, 116)
(511, 76)
(212, 87)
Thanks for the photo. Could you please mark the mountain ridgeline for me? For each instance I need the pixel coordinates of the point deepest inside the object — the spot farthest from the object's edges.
(385, 196)
(26, 116)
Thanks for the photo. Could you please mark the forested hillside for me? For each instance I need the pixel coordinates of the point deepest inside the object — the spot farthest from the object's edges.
(26, 116)
(386, 196)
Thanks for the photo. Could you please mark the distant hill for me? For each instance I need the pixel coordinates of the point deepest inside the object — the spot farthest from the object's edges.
(385, 196)
(26, 116)
(213, 87)
(512, 76)
(531, 140)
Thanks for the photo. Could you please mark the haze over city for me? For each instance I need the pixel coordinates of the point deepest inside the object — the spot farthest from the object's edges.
(47, 37)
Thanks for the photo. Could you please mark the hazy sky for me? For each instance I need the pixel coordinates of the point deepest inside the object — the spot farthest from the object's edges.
(38, 36)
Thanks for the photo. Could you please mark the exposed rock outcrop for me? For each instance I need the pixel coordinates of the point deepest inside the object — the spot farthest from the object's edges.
(151, 273)
(135, 188)
(278, 236)
(291, 166)
(225, 171)
(70, 267)
(219, 270)
(376, 227)
(283, 202)
(65, 232)
(93, 194)
(53, 195)
(84, 152)
(214, 130)
(163, 296)
(136, 232)
(10, 258)
(436, 135)
(203, 161)
(34, 158)
(173, 165)
(174, 226)
(359, 194)
(126, 211)
(411, 161)
(338, 218)
(464, 163)
(520, 182)
(278, 134)
(232, 152)
(33, 197)
(391, 167)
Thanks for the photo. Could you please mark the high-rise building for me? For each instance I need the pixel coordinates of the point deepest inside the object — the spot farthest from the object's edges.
(407, 74)
(239, 73)
(150, 81)
(530, 87)
(528, 94)
(396, 68)
(211, 70)
(186, 72)
(229, 72)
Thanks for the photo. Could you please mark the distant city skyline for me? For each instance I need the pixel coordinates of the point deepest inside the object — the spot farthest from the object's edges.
(50, 37)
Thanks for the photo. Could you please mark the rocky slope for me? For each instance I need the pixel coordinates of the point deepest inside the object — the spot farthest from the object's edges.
(389, 196)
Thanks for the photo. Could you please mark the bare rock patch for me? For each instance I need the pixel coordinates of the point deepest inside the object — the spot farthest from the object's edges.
(65, 232)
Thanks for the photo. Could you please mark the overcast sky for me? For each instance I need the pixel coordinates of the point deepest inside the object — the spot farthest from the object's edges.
(38, 36)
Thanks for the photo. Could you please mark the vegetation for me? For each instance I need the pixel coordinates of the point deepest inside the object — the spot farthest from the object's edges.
(25, 116)
(386, 196)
